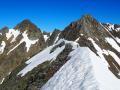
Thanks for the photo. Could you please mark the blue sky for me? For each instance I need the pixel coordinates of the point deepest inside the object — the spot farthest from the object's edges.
(51, 14)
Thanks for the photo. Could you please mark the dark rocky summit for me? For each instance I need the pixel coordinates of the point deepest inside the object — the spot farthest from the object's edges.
(9, 61)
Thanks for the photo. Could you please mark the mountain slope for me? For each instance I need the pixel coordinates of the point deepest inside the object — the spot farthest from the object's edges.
(84, 71)
(84, 56)
(17, 45)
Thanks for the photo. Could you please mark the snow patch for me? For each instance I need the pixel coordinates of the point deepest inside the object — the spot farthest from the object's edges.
(77, 40)
(116, 58)
(2, 47)
(118, 29)
(9, 73)
(41, 57)
(57, 38)
(81, 34)
(13, 48)
(46, 37)
(113, 44)
(12, 32)
(99, 51)
(111, 27)
(26, 40)
(2, 81)
(118, 40)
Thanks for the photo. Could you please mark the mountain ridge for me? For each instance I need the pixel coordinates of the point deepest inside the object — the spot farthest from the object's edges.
(86, 49)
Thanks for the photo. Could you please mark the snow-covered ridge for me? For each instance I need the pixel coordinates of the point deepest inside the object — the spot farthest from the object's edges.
(45, 55)
(84, 71)
(76, 74)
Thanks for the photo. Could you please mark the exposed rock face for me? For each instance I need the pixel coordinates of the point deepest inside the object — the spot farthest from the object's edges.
(21, 43)
(53, 38)
(62, 47)
(87, 26)
(46, 33)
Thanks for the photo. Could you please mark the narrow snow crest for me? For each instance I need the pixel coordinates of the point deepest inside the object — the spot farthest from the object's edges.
(76, 74)
(84, 71)
(45, 55)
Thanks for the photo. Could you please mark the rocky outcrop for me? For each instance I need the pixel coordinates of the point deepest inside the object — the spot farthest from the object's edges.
(53, 38)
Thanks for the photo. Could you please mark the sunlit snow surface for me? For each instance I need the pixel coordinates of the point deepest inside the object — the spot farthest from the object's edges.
(45, 55)
(118, 40)
(46, 37)
(41, 57)
(76, 74)
(12, 32)
(24, 39)
(83, 71)
(2, 47)
(113, 44)
(2, 81)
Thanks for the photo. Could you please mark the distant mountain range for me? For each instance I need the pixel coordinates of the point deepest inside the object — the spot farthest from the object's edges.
(84, 56)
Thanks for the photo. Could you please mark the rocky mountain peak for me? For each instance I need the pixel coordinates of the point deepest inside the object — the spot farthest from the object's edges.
(53, 37)
(4, 29)
(88, 21)
(27, 25)
(87, 26)
(87, 17)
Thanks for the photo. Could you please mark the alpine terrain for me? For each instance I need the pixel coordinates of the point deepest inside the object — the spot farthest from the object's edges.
(83, 56)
